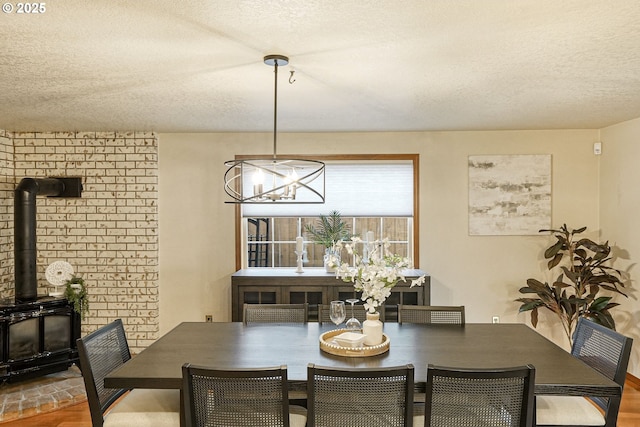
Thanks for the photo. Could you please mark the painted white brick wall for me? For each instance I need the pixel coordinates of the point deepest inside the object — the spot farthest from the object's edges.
(6, 212)
(110, 235)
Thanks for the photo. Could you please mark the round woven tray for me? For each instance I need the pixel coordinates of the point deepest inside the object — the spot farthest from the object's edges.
(329, 346)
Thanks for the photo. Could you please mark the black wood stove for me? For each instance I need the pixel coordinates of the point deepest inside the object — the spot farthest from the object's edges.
(37, 333)
(38, 337)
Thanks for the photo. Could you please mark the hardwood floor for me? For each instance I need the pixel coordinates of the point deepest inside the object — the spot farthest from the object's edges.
(629, 415)
(71, 416)
(78, 415)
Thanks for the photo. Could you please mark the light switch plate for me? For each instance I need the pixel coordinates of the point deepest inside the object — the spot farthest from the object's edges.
(597, 148)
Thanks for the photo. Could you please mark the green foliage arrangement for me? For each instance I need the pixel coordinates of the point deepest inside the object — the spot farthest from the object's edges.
(577, 290)
(328, 230)
(77, 295)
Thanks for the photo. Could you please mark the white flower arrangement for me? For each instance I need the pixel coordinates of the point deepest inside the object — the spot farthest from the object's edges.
(374, 276)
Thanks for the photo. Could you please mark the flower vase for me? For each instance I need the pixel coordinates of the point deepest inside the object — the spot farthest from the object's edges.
(372, 328)
(328, 254)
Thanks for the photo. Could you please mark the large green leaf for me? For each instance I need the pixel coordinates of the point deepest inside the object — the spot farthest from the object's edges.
(553, 250)
(534, 317)
(530, 306)
(599, 303)
(536, 285)
(602, 318)
(611, 305)
(571, 275)
(580, 253)
(613, 289)
(567, 306)
(601, 256)
(577, 230)
(555, 260)
(591, 245)
(560, 285)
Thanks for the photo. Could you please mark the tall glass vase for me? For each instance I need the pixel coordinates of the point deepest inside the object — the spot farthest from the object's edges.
(328, 253)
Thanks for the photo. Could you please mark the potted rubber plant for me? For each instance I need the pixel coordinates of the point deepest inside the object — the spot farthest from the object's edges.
(328, 230)
(584, 287)
(76, 293)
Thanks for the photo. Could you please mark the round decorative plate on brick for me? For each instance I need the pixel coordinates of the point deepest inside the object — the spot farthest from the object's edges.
(57, 273)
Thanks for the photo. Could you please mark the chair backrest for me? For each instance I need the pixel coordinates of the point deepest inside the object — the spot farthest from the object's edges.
(242, 397)
(607, 351)
(431, 314)
(479, 397)
(359, 396)
(101, 352)
(358, 312)
(275, 313)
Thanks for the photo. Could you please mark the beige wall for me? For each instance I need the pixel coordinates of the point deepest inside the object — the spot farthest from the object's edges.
(619, 219)
(196, 229)
(483, 273)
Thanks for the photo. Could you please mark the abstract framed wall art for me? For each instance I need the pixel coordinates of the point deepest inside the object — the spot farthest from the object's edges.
(509, 194)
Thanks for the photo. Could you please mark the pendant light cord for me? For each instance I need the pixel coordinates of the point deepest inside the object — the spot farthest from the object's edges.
(275, 111)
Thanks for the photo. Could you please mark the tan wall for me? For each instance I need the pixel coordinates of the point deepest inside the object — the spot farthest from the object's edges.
(196, 229)
(483, 273)
(619, 213)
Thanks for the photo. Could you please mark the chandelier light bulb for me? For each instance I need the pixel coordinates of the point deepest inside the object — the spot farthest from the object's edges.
(258, 179)
(294, 183)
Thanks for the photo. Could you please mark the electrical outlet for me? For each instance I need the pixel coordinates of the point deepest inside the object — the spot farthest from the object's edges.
(208, 318)
(495, 319)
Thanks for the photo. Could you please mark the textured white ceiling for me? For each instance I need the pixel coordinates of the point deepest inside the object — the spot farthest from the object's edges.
(361, 65)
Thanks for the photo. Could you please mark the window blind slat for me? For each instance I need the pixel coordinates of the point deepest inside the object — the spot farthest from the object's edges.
(372, 188)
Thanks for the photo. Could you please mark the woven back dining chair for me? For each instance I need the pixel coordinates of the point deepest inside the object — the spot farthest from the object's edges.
(479, 397)
(239, 398)
(358, 312)
(275, 313)
(605, 350)
(431, 314)
(360, 397)
(100, 353)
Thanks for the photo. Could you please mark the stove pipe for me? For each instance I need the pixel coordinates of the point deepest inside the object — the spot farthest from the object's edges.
(24, 221)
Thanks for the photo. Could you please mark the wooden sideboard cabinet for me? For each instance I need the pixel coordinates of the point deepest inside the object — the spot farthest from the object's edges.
(314, 286)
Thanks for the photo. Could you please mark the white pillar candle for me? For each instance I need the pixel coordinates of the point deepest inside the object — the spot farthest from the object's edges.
(370, 237)
(258, 179)
(299, 243)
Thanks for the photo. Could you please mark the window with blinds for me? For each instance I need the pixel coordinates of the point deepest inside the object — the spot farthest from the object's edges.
(371, 195)
(362, 188)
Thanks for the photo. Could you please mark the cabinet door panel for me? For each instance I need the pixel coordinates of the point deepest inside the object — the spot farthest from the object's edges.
(283, 286)
(313, 295)
(255, 297)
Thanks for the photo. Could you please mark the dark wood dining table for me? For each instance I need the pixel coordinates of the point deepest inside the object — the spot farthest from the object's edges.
(235, 345)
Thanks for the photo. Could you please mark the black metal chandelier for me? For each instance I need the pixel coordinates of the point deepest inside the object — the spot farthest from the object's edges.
(278, 179)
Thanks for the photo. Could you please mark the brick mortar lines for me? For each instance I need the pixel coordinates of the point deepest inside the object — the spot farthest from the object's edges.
(7, 185)
(109, 235)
